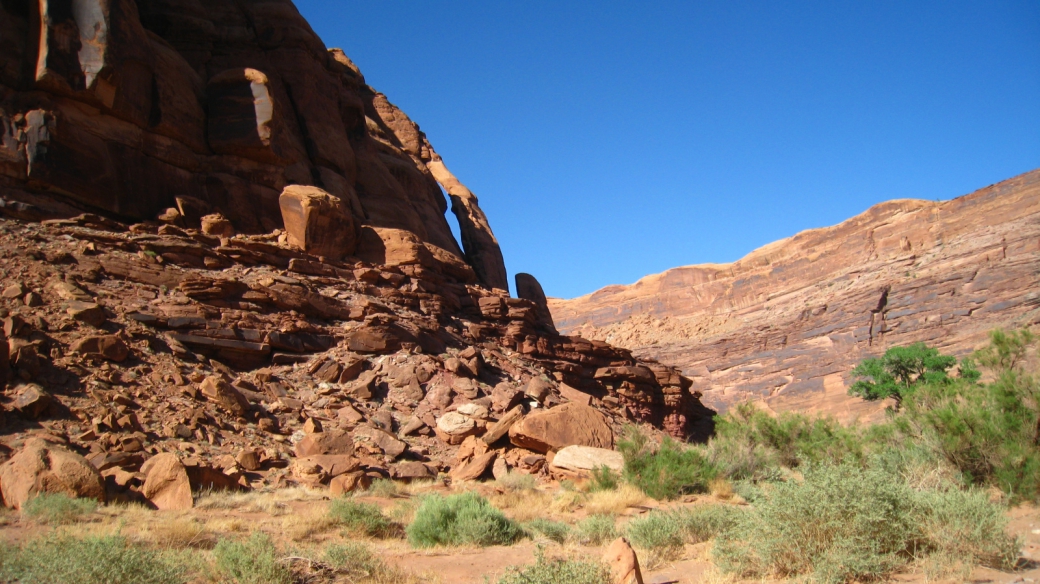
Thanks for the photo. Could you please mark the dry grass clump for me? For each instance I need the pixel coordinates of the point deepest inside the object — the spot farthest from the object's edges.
(517, 481)
(58, 508)
(272, 502)
(721, 488)
(614, 502)
(300, 526)
(357, 562)
(522, 505)
(178, 533)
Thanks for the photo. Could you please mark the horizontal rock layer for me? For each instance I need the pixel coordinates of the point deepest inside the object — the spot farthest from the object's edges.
(786, 324)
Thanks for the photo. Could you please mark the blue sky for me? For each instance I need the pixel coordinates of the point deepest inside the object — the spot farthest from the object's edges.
(607, 141)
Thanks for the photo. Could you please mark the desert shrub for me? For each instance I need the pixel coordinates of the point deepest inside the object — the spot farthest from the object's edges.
(664, 472)
(967, 526)
(252, 561)
(554, 530)
(357, 562)
(704, 522)
(842, 523)
(594, 530)
(750, 444)
(603, 479)
(658, 529)
(362, 518)
(987, 432)
(384, 488)
(517, 481)
(465, 518)
(58, 508)
(557, 571)
(88, 560)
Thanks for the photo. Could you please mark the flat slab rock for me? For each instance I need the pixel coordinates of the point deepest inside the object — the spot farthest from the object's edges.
(562, 426)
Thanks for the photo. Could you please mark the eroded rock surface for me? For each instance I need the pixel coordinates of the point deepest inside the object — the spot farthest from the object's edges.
(787, 323)
(176, 109)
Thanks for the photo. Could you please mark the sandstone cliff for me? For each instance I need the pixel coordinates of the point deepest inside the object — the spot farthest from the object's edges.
(266, 291)
(124, 107)
(786, 323)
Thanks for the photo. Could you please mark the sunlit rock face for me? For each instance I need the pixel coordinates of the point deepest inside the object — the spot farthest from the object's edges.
(786, 324)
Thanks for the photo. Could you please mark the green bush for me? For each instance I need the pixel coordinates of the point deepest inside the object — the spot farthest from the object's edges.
(900, 371)
(665, 472)
(465, 518)
(88, 560)
(58, 508)
(554, 530)
(656, 530)
(362, 518)
(359, 564)
(384, 488)
(594, 530)
(557, 571)
(967, 526)
(751, 444)
(518, 481)
(252, 561)
(604, 479)
(842, 523)
(704, 522)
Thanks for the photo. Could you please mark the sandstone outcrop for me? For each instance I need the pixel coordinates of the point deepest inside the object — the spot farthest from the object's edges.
(585, 459)
(225, 257)
(43, 467)
(177, 109)
(787, 323)
(528, 288)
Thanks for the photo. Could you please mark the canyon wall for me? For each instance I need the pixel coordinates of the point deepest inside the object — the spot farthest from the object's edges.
(786, 324)
(131, 108)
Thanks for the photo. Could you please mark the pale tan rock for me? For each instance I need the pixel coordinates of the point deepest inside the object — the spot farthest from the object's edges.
(166, 483)
(585, 459)
(624, 565)
(454, 427)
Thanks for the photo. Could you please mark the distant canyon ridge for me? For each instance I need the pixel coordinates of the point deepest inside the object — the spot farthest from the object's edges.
(785, 325)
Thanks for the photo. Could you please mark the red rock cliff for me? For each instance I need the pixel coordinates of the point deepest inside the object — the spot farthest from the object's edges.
(786, 323)
(122, 107)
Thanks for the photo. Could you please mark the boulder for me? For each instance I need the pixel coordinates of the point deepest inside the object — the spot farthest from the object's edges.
(332, 441)
(474, 468)
(411, 471)
(166, 483)
(502, 426)
(87, 312)
(454, 427)
(317, 222)
(348, 483)
(43, 467)
(386, 442)
(108, 347)
(562, 426)
(217, 225)
(222, 393)
(32, 401)
(623, 563)
(584, 459)
(323, 467)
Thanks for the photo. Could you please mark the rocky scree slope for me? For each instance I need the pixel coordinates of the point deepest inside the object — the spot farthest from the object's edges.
(786, 324)
(225, 264)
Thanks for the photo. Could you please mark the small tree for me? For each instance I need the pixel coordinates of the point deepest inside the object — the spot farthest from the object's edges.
(898, 372)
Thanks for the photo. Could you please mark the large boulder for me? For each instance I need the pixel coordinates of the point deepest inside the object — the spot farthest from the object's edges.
(43, 467)
(166, 483)
(584, 459)
(108, 347)
(333, 441)
(623, 563)
(562, 426)
(317, 222)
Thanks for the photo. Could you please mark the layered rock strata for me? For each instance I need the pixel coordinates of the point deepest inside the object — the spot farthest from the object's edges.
(787, 323)
(244, 362)
(133, 108)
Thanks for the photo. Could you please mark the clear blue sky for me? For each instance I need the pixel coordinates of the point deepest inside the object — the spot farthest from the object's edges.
(610, 140)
